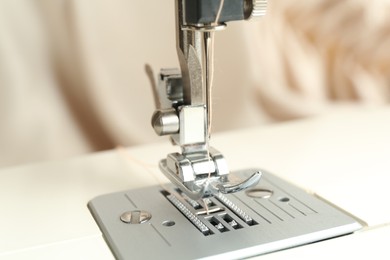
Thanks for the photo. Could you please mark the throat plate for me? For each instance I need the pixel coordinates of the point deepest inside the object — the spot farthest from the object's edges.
(272, 216)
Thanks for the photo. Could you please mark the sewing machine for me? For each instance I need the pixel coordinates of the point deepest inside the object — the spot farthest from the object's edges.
(208, 211)
(206, 206)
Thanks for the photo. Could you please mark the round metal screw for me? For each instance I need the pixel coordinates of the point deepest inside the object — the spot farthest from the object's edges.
(135, 217)
(259, 193)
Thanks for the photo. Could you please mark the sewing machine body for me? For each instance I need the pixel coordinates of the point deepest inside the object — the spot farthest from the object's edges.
(339, 162)
(272, 216)
(343, 158)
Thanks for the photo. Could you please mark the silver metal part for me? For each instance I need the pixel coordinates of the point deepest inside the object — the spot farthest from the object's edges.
(184, 112)
(233, 207)
(136, 217)
(165, 122)
(259, 193)
(230, 187)
(198, 176)
(237, 226)
(191, 216)
(255, 8)
(192, 127)
(169, 88)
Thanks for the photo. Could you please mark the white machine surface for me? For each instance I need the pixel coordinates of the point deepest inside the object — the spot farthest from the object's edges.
(343, 158)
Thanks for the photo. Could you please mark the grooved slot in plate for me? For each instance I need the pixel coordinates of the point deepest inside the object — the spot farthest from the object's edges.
(197, 222)
(218, 225)
(233, 223)
(239, 227)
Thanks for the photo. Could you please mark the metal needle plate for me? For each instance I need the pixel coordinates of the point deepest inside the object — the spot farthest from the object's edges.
(272, 216)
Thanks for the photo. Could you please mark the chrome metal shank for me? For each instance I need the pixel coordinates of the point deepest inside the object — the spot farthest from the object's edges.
(184, 113)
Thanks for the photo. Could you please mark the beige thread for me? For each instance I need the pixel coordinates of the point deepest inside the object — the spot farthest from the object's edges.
(147, 166)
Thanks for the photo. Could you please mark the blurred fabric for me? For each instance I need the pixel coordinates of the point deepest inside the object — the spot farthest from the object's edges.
(72, 77)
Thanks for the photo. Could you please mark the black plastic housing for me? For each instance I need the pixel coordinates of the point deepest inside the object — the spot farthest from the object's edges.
(205, 11)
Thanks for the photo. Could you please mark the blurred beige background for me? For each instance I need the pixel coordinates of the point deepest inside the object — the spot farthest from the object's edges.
(72, 77)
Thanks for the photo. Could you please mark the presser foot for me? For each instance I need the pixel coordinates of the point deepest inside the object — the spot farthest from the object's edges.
(164, 223)
(209, 185)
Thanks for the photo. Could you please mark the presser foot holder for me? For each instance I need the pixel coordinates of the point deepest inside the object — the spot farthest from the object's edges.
(157, 223)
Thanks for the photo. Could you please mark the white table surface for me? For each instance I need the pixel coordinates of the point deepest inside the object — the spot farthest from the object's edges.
(343, 157)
